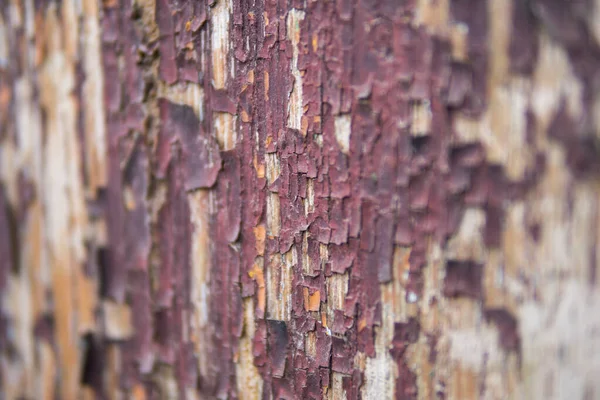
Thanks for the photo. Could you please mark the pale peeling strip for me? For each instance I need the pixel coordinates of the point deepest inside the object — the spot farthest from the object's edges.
(273, 277)
(460, 319)
(98, 232)
(35, 259)
(360, 360)
(18, 298)
(191, 393)
(323, 256)
(13, 378)
(417, 356)
(29, 131)
(248, 380)
(381, 371)
(459, 39)
(117, 320)
(343, 130)
(317, 137)
(15, 13)
(295, 106)
(506, 112)
(507, 103)
(62, 182)
(290, 260)
(64, 200)
(508, 127)
(46, 371)
(309, 202)
(380, 376)
(70, 19)
(187, 94)
(8, 164)
(433, 300)
(501, 377)
(307, 264)
(29, 18)
(225, 126)
(273, 167)
(257, 273)
(464, 384)
(337, 392)
(467, 243)
(508, 100)
(494, 280)
(112, 372)
(337, 288)
(310, 344)
(516, 254)
(553, 82)
(401, 273)
(273, 215)
(259, 165)
(273, 211)
(69, 357)
(421, 118)
(219, 17)
(200, 207)
(500, 30)
(279, 285)
(433, 14)
(29, 156)
(93, 99)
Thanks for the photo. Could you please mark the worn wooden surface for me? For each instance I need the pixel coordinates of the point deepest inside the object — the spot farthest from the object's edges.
(289, 199)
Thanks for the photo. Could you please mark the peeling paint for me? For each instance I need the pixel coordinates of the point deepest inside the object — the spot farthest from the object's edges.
(223, 199)
(295, 105)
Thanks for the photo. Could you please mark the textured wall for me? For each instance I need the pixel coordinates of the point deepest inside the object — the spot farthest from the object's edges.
(289, 199)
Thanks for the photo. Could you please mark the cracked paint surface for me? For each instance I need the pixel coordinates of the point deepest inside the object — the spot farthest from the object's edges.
(299, 199)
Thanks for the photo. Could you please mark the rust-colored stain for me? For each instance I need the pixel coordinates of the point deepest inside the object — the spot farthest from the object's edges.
(312, 301)
(260, 237)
